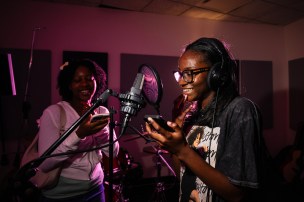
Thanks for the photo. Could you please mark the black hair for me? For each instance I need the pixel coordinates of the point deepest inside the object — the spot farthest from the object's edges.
(66, 75)
(214, 51)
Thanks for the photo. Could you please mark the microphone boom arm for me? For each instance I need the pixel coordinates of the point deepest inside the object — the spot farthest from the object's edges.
(104, 96)
(27, 169)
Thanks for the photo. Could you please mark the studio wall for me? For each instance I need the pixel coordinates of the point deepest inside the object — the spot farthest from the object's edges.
(75, 28)
(296, 95)
(33, 87)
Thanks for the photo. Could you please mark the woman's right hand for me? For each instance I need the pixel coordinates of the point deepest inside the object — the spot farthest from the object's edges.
(88, 128)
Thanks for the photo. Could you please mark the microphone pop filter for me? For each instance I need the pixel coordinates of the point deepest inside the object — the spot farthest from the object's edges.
(152, 87)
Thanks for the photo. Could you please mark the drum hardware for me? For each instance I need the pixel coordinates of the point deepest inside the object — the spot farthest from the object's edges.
(154, 150)
(118, 192)
(123, 166)
(159, 192)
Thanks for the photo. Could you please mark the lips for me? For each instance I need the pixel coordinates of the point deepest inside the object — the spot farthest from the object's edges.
(85, 92)
(187, 90)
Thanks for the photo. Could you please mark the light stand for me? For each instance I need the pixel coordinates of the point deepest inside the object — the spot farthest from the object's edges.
(26, 105)
(4, 160)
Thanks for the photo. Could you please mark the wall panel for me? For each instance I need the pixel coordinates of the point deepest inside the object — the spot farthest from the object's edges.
(296, 92)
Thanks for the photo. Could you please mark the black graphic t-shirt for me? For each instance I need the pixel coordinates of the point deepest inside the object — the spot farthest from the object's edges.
(233, 148)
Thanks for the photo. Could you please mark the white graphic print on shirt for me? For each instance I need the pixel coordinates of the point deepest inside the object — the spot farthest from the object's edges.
(201, 139)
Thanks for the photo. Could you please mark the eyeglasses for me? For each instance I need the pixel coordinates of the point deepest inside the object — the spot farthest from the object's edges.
(187, 75)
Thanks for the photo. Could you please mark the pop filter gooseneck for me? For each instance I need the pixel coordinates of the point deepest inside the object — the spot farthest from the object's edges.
(152, 88)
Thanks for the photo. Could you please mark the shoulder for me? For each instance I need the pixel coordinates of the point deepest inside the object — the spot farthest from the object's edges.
(52, 108)
(51, 113)
(241, 103)
(242, 108)
(55, 108)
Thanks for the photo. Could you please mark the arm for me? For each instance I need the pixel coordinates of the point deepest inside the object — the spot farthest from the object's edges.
(213, 178)
(176, 165)
(176, 144)
(104, 135)
(178, 115)
(87, 135)
(49, 132)
(103, 138)
(237, 155)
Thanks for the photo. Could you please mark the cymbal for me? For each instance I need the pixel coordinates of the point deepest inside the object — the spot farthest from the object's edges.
(154, 150)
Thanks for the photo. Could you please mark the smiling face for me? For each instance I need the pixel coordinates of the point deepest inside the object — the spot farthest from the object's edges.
(83, 85)
(198, 89)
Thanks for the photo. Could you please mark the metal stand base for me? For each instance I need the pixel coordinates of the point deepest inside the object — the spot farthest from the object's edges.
(159, 193)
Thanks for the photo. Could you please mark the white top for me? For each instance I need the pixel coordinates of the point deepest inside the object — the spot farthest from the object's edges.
(80, 166)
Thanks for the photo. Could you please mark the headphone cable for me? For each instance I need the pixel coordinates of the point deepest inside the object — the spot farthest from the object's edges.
(211, 135)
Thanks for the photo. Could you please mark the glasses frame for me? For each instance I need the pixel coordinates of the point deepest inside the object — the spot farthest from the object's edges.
(190, 72)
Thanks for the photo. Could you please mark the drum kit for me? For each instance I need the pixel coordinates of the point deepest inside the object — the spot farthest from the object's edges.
(125, 170)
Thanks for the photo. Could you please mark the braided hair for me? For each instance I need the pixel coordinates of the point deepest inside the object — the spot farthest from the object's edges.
(214, 51)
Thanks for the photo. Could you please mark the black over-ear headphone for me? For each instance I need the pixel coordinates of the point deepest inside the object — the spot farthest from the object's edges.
(218, 75)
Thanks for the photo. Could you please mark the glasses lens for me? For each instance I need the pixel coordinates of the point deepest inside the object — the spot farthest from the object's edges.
(187, 76)
(177, 75)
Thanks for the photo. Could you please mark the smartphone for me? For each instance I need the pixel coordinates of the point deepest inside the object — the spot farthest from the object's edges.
(97, 117)
(160, 121)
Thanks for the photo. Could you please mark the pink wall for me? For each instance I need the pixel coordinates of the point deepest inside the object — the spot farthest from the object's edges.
(76, 28)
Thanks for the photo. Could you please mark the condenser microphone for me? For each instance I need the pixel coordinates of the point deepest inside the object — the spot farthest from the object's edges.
(132, 101)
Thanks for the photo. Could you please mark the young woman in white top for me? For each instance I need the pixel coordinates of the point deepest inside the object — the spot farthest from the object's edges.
(81, 178)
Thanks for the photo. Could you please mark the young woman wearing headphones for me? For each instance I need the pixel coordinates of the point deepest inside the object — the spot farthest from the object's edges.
(222, 154)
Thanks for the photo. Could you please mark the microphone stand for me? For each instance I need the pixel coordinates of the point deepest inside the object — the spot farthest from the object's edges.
(4, 160)
(159, 195)
(111, 140)
(29, 170)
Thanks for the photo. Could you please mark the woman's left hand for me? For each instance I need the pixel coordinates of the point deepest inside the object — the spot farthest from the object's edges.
(170, 141)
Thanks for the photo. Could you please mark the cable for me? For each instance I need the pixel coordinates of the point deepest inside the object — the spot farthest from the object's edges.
(212, 124)
(86, 150)
(211, 135)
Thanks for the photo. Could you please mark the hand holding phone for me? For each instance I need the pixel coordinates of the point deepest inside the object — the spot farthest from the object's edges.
(160, 121)
(97, 117)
